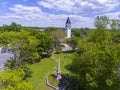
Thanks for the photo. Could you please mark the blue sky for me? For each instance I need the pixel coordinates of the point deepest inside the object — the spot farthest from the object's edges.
(46, 13)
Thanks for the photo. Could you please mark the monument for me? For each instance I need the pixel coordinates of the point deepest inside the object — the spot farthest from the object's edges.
(62, 81)
(58, 74)
(68, 28)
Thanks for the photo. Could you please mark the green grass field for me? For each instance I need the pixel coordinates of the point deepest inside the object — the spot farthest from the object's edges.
(47, 66)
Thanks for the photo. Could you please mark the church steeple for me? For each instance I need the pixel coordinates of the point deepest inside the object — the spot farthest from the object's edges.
(68, 21)
(68, 28)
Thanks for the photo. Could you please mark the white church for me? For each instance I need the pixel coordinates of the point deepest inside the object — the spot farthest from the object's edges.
(68, 28)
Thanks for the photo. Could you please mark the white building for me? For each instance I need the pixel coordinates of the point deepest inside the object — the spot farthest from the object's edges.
(68, 28)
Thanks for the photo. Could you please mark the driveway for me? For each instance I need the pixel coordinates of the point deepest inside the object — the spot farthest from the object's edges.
(3, 58)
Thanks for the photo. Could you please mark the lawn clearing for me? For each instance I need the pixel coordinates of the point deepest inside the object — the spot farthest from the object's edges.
(48, 66)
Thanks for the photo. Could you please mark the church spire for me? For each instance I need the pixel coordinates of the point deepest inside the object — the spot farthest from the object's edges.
(68, 21)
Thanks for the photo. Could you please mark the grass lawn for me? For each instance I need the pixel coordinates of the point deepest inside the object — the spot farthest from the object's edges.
(47, 66)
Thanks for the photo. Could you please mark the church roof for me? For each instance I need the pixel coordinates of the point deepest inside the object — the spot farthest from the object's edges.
(68, 21)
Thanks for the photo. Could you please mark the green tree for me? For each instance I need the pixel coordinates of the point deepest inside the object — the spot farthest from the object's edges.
(79, 33)
(21, 43)
(32, 31)
(58, 37)
(116, 37)
(96, 66)
(73, 42)
(12, 27)
(102, 33)
(96, 62)
(4, 28)
(101, 22)
(76, 32)
(15, 27)
(50, 29)
(45, 43)
(99, 36)
(115, 24)
(14, 80)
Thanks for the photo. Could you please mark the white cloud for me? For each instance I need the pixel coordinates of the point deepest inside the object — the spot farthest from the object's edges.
(113, 15)
(57, 4)
(102, 1)
(80, 6)
(34, 16)
(10, 16)
(18, 8)
(27, 12)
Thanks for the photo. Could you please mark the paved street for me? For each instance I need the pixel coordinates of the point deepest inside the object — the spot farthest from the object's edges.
(3, 58)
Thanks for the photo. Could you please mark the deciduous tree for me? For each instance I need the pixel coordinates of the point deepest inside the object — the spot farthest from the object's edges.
(21, 43)
(96, 66)
(14, 80)
(101, 22)
(73, 42)
(58, 37)
(45, 43)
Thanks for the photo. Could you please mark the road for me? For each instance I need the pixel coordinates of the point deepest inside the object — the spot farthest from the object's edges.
(3, 58)
(6, 56)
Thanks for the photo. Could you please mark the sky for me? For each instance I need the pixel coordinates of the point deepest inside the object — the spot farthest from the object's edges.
(53, 13)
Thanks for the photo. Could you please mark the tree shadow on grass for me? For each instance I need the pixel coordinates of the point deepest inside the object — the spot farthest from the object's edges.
(70, 51)
(73, 84)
